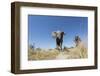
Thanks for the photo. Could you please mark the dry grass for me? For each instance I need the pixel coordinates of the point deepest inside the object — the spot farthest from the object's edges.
(43, 54)
(68, 53)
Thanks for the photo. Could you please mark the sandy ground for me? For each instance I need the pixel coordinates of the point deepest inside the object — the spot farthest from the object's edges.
(62, 55)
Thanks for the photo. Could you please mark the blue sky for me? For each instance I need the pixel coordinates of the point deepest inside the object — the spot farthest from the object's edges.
(40, 28)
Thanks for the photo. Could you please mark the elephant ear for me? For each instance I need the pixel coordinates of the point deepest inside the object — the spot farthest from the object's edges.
(54, 34)
(63, 33)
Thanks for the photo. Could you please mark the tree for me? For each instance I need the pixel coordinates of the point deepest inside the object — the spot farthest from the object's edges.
(32, 46)
(77, 40)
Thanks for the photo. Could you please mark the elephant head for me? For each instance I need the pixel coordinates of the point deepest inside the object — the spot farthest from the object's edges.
(58, 34)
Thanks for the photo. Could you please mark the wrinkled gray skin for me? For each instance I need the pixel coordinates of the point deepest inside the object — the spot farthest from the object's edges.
(58, 35)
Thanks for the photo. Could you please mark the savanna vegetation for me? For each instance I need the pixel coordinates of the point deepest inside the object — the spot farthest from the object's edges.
(77, 52)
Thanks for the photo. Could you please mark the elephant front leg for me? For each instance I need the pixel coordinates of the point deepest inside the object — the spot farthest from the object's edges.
(61, 45)
(57, 47)
(58, 43)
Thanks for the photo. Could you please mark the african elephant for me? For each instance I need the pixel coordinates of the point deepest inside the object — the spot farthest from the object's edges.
(58, 35)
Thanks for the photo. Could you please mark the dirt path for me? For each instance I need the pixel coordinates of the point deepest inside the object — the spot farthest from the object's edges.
(62, 55)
